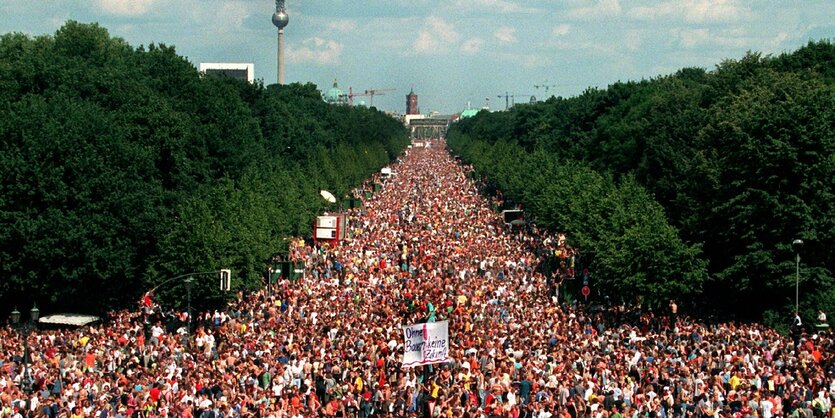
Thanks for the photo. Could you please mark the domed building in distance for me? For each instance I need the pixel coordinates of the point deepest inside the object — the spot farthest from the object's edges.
(335, 95)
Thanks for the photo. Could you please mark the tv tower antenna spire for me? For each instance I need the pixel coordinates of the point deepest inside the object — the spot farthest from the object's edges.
(280, 20)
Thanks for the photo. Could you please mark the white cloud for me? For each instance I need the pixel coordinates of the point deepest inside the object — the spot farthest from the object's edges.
(711, 10)
(436, 36)
(472, 46)
(233, 14)
(526, 60)
(443, 29)
(57, 21)
(779, 39)
(658, 11)
(690, 38)
(425, 42)
(126, 7)
(506, 34)
(600, 8)
(342, 25)
(600, 49)
(731, 39)
(693, 11)
(390, 33)
(561, 30)
(498, 6)
(316, 50)
(632, 39)
(223, 26)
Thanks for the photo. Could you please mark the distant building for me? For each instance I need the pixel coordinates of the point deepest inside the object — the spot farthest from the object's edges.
(335, 95)
(407, 119)
(243, 72)
(469, 113)
(432, 127)
(412, 103)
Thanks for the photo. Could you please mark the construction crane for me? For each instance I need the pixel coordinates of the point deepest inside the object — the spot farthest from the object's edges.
(351, 95)
(545, 86)
(376, 92)
(367, 93)
(510, 99)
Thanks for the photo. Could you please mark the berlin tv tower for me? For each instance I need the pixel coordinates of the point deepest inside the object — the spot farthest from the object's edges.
(280, 20)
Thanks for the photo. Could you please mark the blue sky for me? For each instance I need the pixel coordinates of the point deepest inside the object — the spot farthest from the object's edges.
(451, 51)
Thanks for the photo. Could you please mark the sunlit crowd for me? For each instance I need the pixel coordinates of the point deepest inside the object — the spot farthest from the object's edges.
(427, 247)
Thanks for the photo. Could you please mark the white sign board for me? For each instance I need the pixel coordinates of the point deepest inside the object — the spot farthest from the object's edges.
(326, 221)
(325, 233)
(426, 343)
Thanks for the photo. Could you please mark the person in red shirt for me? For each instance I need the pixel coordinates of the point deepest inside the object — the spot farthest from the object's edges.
(295, 400)
(90, 360)
(155, 394)
(147, 300)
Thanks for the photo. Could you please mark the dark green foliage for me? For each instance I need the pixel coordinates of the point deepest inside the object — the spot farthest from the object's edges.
(623, 233)
(122, 167)
(741, 159)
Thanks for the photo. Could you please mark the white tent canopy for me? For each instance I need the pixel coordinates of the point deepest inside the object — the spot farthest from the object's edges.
(328, 196)
(74, 320)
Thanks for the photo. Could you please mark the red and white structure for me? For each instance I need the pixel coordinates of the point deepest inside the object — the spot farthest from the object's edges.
(330, 228)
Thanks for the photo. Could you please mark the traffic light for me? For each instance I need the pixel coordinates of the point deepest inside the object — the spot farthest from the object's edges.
(225, 280)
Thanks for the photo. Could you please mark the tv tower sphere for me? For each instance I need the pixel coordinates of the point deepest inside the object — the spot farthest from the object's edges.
(280, 19)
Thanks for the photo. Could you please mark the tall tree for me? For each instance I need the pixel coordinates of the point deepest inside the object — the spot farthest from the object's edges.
(124, 167)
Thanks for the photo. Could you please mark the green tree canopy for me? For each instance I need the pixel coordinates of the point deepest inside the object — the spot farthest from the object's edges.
(738, 159)
(123, 167)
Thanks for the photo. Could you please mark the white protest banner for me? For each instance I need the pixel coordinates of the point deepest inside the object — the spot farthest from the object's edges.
(426, 343)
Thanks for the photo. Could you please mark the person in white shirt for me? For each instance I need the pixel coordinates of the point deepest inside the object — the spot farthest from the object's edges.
(767, 407)
(156, 333)
(511, 400)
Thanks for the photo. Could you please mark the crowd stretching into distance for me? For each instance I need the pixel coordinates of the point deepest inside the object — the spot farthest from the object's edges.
(427, 247)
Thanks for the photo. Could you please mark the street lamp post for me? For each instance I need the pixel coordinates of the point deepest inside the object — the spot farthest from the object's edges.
(25, 329)
(270, 280)
(188, 281)
(796, 246)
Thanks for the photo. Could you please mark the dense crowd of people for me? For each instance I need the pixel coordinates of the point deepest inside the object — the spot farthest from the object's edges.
(427, 247)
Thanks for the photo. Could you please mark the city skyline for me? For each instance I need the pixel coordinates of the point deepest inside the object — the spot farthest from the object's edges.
(451, 52)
